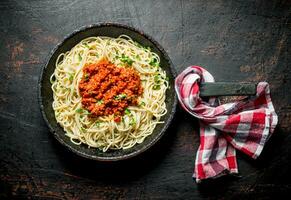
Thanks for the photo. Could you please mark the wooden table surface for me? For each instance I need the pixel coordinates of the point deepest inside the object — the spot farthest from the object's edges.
(235, 40)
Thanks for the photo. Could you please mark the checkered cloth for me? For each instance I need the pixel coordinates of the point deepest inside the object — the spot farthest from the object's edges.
(244, 125)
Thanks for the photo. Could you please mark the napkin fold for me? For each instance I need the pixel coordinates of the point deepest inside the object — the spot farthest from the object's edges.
(244, 125)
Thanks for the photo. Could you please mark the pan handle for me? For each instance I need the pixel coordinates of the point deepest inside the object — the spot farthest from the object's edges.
(227, 89)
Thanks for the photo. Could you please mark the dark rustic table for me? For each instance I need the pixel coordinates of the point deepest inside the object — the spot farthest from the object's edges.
(234, 40)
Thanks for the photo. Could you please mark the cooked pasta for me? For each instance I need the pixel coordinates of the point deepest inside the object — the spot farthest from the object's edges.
(137, 121)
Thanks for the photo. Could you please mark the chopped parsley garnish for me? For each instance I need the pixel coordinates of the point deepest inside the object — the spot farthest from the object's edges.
(97, 124)
(157, 78)
(99, 102)
(86, 45)
(137, 57)
(80, 57)
(79, 110)
(148, 48)
(132, 121)
(142, 103)
(120, 96)
(127, 111)
(71, 77)
(83, 111)
(125, 59)
(154, 62)
(86, 76)
(157, 87)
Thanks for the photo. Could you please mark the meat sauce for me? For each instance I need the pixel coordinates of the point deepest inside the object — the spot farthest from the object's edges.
(107, 89)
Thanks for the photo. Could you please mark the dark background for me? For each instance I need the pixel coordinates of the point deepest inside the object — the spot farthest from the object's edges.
(235, 40)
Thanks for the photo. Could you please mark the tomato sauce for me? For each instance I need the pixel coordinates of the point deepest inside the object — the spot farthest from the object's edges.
(107, 89)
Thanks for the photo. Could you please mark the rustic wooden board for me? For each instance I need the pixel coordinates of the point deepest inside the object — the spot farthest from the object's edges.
(238, 41)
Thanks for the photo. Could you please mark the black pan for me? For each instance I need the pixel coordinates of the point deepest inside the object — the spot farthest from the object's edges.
(46, 94)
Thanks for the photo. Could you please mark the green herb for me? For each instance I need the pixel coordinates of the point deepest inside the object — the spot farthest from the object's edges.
(167, 78)
(98, 124)
(97, 55)
(71, 77)
(142, 103)
(120, 96)
(157, 87)
(154, 62)
(79, 110)
(137, 57)
(80, 57)
(127, 111)
(83, 111)
(86, 45)
(148, 48)
(132, 121)
(126, 59)
(86, 76)
(157, 78)
(99, 102)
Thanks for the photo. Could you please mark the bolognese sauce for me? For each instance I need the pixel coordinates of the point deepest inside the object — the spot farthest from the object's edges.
(107, 89)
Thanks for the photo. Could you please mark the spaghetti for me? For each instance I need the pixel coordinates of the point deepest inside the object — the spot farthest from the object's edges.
(137, 121)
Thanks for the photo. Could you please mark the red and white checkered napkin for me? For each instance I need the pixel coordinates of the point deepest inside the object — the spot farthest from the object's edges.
(244, 125)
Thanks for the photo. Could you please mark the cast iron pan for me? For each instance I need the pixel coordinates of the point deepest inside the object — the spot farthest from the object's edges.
(46, 94)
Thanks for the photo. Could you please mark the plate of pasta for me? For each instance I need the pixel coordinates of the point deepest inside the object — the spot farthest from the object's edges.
(107, 92)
